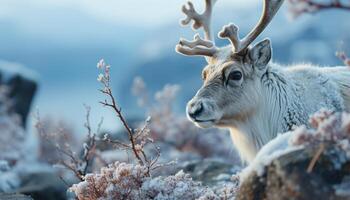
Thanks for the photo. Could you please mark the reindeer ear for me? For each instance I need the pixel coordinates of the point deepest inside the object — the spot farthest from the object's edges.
(261, 54)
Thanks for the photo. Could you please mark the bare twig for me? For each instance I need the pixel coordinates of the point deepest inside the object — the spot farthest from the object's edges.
(342, 56)
(111, 102)
(138, 138)
(78, 165)
(107, 91)
(330, 5)
(315, 158)
(119, 144)
(298, 7)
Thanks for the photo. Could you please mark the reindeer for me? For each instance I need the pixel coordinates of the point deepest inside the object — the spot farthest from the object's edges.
(245, 92)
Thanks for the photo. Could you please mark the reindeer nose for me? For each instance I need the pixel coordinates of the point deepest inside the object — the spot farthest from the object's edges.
(195, 109)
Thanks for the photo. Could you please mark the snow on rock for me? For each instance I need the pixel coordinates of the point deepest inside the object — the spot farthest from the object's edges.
(8, 180)
(272, 150)
(9, 69)
(304, 163)
(179, 186)
(327, 127)
(12, 176)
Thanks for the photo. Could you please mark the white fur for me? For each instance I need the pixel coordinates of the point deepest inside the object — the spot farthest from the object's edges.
(289, 95)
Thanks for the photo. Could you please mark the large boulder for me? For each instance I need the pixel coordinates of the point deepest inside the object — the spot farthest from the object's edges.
(37, 180)
(287, 177)
(22, 86)
(303, 164)
(43, 185)
(210, 172)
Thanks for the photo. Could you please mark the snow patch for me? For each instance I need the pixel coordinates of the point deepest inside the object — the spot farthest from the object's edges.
(272, 150)
(326, 127)
(9, 69)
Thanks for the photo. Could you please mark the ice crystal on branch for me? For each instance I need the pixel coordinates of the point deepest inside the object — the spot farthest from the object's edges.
(68, 158)
(81, 163)
(57, 133)
(327, 126)
(137, 138)
(131, 181)
(134, 180)
(117, 181)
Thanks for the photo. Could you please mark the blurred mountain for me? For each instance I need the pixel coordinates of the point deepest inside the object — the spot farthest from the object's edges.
(63, 47)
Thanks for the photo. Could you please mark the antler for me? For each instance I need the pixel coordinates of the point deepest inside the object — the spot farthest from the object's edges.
(198, 46)
(231, 31)
(200, 20)
(207, 47)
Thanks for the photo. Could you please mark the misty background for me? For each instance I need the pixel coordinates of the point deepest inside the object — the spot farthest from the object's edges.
(62, 40)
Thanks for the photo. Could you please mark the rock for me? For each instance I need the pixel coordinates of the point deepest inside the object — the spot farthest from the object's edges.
(14, 197)
(287, 177)
(43, 185)
(22, 91)
(37, 180)
(210, 171)
(22, 86)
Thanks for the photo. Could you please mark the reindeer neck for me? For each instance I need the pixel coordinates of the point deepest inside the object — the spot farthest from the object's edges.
(274, 115)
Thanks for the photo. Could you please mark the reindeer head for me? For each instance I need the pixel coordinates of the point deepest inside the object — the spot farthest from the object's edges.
(232, 78)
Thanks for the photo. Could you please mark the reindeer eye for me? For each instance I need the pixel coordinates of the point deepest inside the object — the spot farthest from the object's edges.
(235, 75)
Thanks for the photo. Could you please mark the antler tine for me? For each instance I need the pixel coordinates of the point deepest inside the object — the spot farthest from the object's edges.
(270, 9)
(197, 46)
(200, 20)
(231, 32)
